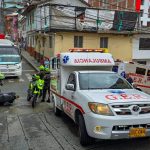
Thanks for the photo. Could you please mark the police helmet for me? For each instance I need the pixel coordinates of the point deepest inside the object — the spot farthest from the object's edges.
(41, 68)
(47, 69)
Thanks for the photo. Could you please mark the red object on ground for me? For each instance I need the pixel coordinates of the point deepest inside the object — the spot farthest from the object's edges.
(138, 5)
(2, 36)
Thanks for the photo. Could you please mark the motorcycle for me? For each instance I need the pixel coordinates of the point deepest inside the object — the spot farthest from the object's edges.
(30, 90)
(35, 89)
(6, 98)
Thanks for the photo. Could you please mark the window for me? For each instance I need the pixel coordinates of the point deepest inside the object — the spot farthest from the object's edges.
(45, 20)
(28, 20)
(50, 42)
(148, 73)
(7, 50)
(71, 79)
(141, 13)
(142, 62)
(95, 81)
(78, 41)
(142, 2)
(104, 42)
(144, 44)
(54, 65)
(32, 17)
(58, 63)
(140, 71)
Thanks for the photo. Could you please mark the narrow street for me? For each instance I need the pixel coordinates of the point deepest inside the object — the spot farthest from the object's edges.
(94, 56)
(24, 128)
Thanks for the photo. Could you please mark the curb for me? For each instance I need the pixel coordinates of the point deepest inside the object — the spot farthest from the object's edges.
(31, 63)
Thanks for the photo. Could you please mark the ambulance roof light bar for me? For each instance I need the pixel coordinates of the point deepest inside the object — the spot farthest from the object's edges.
(102, 50)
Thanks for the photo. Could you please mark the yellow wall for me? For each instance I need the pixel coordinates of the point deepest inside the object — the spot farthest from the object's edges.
(39, 46)
(119, 45)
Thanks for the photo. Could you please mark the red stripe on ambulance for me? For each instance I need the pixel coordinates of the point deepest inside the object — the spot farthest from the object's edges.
(69, 101)
(144, 86)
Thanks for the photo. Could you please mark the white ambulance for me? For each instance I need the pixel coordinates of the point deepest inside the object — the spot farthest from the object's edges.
(138, 72)
(101, 102)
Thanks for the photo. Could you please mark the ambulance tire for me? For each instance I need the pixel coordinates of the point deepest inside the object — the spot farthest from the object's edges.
(85, 139)
(57, 111)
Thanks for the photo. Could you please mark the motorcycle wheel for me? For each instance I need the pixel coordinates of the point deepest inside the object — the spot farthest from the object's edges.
(29, 95)
(34, 101)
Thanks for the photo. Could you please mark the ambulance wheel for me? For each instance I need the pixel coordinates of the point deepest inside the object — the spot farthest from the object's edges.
(85, 139)
(57, 111)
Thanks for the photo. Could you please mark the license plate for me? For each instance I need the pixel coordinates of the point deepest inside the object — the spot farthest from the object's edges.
(137, 132)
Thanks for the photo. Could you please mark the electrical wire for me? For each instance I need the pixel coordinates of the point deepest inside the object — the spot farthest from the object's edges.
(98, 17)
(111, 23)
(108, 21)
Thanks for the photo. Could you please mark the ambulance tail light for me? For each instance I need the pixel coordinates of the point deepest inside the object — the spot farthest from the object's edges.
(100, 50)
(101, 109)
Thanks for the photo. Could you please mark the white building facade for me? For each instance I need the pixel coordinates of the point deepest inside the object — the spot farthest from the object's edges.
(141, 48)
(145, 13)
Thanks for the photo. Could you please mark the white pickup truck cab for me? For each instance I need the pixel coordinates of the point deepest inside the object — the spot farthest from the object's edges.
(102, 103)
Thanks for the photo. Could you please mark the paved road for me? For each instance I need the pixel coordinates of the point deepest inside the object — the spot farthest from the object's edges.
(24, 128)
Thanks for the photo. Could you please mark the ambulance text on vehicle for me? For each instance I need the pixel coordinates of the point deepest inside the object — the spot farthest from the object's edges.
(101, 102)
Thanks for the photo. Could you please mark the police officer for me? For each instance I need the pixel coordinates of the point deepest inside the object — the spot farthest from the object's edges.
(41, 71)
(46, 88)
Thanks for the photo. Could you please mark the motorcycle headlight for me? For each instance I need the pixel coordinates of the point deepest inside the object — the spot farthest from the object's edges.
(101, 109)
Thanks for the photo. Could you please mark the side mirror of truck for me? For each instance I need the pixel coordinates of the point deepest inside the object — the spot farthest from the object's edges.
(70, 87)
